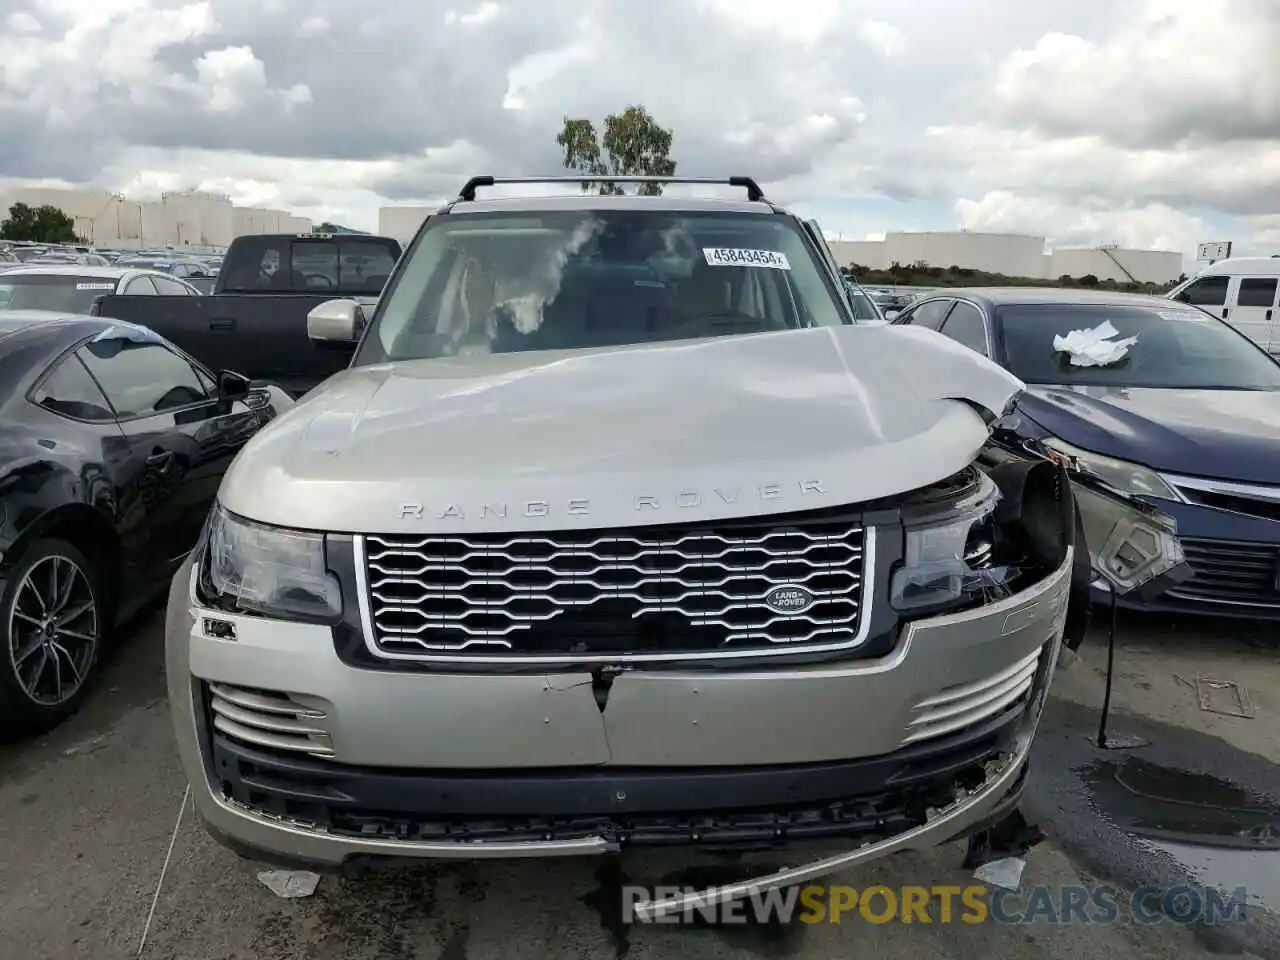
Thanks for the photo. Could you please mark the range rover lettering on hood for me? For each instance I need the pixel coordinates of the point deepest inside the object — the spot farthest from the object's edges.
(675, 431)
(581, 506)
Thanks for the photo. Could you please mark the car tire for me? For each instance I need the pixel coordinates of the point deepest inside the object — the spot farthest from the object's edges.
(53, 611)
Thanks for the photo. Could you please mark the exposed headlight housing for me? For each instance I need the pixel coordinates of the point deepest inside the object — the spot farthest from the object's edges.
(1130, 542)
(248, 567)
(948, 556)
(1121, 476)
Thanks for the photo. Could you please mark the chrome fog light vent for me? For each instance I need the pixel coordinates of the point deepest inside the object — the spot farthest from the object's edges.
(264, 718)
(961, 706)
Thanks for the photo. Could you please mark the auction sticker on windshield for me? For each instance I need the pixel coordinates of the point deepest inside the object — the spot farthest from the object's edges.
(95, 286)
(737, 257)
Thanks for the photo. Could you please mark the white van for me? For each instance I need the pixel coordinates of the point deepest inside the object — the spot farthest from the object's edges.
(1242, 291)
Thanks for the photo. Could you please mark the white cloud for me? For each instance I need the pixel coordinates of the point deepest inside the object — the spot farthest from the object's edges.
(884, 38)
(1150, 226)
(1147, 123)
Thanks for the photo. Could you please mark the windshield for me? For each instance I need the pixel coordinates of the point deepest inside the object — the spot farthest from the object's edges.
(499, 283)
(62, 294)
(1177, 348)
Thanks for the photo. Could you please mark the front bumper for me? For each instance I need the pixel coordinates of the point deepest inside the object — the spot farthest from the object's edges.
(908, 751)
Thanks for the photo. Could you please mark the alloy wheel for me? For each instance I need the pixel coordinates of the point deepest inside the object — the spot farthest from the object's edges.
(54, 630)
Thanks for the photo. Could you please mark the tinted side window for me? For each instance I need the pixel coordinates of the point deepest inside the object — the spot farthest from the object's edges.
(254, 264)
(965, 325)
(930, 314)
(142, 378)
(365, 266)
(1257, 292)
(170, 288)
(70, 391)
(315, 265)
(141, 286)
(1207, 292)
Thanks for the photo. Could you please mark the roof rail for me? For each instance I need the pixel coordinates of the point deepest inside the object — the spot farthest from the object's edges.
(754, 193)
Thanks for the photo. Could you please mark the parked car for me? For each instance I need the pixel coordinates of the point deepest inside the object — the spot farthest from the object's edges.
(891, 302)
(112, 446)
(1188, 420)
(1244, 291)
(255, 319)
(184, 268)
(70, 288)
(620, 531)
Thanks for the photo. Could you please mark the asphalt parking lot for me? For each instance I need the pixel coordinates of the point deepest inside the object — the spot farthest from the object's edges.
(88, 815)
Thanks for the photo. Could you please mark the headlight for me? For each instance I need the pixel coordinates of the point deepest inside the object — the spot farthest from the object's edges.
(1128, 479)
(947, 562)
(253, 568)
(1130, 542)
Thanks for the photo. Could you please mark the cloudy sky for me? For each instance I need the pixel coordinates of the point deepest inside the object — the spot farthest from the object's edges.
(1151, 123)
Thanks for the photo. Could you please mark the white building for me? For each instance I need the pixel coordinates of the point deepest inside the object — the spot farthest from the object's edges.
(865, 253)
(401, 223)
(1013, 255)
(183, 220)
(247, 220)
(1115, 263)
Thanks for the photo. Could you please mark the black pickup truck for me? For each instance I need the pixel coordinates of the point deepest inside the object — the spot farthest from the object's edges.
(255, 319)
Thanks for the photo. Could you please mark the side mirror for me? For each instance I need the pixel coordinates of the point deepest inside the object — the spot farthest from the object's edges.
(335, 321)
(891, 314)
(233, 386)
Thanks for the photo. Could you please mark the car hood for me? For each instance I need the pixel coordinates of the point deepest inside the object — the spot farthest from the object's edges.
(1219, 434)
(655, 433)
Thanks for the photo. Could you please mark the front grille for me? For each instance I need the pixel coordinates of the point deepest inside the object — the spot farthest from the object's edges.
(1251, 499)
(637, 593)
(1226, 498)
(1227, 572)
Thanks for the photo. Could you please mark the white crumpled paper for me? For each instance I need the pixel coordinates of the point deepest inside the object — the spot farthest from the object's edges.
(1006, 873)
(1094, 348)
(290, 884)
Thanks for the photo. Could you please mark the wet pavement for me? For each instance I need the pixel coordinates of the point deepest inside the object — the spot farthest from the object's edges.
(88, 813)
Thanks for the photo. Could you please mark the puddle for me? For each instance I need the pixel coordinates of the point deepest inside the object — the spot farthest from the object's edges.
(1224, 836)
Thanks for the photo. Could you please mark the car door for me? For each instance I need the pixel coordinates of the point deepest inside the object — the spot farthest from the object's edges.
(68, 391)
(965, 324)
(1208, 293)
(182, 434)
(1254, 310)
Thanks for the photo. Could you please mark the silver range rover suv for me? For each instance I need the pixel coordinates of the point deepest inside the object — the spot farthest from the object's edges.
(620, 531)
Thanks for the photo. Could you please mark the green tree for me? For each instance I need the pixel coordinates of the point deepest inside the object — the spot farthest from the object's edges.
(633, 144)
(44, 224)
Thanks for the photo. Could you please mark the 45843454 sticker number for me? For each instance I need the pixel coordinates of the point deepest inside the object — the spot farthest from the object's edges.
(739, 257)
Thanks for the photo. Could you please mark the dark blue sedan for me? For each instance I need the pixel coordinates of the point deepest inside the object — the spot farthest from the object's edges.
(1170, 408)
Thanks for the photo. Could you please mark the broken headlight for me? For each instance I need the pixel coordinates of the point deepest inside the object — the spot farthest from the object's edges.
(1121, 476)
(1130, 541)
(249, 567)
(949, 559)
